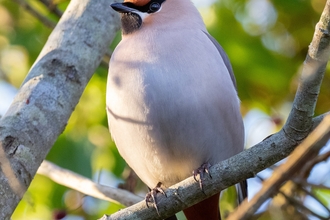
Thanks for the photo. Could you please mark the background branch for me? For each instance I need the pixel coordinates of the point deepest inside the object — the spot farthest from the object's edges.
(51, 24)
(86, 186)
(46, 21)
(52, 7)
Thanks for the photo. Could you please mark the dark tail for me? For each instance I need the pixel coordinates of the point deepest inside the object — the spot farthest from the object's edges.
(207, 209)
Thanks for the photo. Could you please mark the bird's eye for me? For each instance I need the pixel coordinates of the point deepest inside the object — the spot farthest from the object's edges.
(155, 6)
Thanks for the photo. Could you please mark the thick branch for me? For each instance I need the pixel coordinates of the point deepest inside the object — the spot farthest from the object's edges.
(50, 92)
(227, 173)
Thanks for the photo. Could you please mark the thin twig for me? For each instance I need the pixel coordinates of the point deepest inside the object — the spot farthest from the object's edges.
(303, 182)
(310, 164)
(82, 184)
(315, 198)
(52, 8)
(297, 203)
(51, 24)
(46, 21)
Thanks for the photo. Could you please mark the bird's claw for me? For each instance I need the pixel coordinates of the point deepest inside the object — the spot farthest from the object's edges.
(152, 196)
(204, 168)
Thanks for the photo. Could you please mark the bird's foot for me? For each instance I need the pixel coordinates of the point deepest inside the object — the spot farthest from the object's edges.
(151, 196)
(201, 172)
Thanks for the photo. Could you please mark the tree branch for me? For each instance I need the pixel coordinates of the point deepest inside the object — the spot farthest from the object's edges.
(224, 174)
(310, 145)
(86, 186)
(299, 122)
(49, 94)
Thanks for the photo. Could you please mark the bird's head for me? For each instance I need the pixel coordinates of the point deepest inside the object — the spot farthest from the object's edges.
(134, 12)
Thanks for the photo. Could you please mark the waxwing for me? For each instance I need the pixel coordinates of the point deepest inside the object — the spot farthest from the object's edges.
(172, 103)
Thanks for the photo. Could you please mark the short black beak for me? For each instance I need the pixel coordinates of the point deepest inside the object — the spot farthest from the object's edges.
(122, 8)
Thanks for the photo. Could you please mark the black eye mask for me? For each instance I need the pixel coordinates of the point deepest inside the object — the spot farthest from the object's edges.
(126, 7)
(151, 7)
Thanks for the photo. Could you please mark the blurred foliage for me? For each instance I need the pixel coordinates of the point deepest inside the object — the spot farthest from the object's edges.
(266, 41)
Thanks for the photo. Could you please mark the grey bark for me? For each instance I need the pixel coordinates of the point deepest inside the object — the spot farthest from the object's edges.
(49, 94)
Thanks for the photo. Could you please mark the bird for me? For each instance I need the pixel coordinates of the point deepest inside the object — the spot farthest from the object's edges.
(171, 100)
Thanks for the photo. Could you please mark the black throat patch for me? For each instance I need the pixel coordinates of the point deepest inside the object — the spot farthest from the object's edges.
(130, 22)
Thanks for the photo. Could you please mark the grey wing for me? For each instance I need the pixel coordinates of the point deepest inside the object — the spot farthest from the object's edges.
(224, 57)
(242, 186)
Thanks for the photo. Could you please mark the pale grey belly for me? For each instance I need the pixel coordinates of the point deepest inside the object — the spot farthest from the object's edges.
(168, 140)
